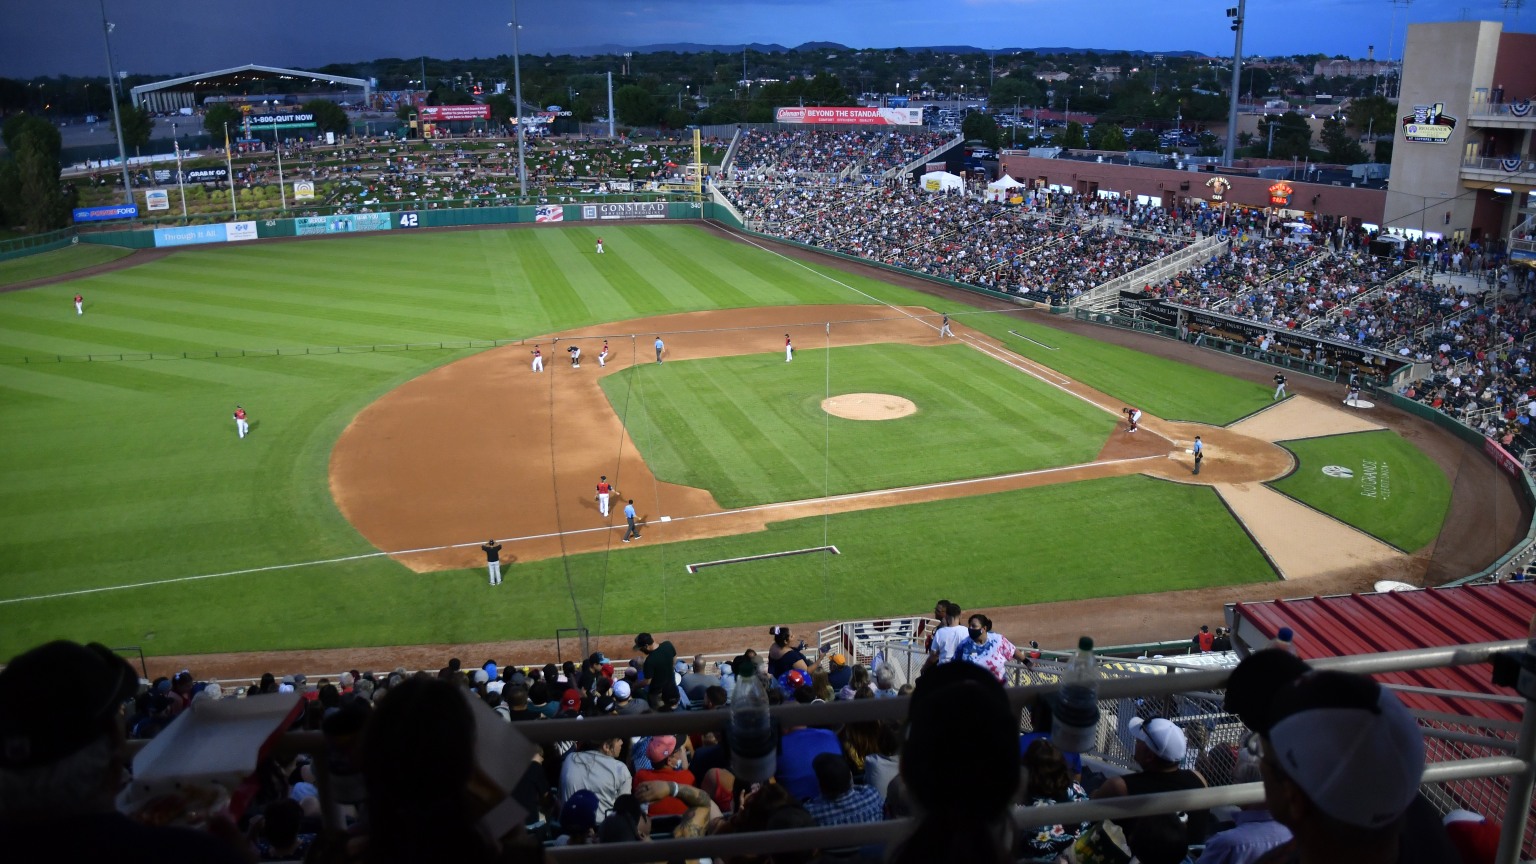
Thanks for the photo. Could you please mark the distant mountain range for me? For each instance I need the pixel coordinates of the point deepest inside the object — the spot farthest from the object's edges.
(775, 48)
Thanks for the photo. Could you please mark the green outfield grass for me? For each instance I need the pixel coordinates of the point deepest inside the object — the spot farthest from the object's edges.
(751, 430)
(1397, 493)
(1041, 545)
(58, 261)
(126, 472)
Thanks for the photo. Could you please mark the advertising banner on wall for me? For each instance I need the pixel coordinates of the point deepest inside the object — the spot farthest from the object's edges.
(304, 190)
(446, 113)
(298, 120)
(191, 175)
(624, 211)
(549, 213)
(191, 235)
(234, 231)
(107, 213)
(311, 225)
(1429, 124)
(856, 114)
(157, 199)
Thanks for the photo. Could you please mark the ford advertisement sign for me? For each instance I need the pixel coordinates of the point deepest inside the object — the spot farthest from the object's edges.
(103, 214)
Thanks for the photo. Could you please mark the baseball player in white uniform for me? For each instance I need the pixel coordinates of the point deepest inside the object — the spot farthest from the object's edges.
(241, 425)
(575, 352)
(602, 356)
(599, 245)
(789, 349)
(944, 327)
(604, 492)
(538, 359)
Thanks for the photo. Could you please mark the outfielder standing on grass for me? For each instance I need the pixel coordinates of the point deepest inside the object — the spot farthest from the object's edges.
(604, 490)
(240, 425)
(492, 551)
(789, 349)
(79, 304)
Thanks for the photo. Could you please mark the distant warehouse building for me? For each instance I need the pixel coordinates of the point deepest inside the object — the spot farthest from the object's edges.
(248, 84)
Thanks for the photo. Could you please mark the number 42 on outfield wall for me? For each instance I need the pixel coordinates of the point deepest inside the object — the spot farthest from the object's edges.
(410, 220)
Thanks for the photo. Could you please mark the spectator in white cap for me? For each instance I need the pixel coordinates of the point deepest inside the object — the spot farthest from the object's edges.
(1342, 761)
(623, 702)
(1160, 746)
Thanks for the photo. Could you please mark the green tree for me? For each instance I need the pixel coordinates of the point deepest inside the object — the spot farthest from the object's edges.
(979, 126)
(1015, 91)
(20, 127)
(502, 108)
(1072, 137)
(137, 125)
(635, 106)
(1372, 115)
(10, 192)
(1292, 136)
(42, 204)
(1342, 147)
(217, 116)
(1107, 136)
(329, 117)
(825, 89)
(1143, 139)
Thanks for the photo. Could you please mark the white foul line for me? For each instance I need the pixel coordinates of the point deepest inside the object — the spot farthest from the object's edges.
(851, 496)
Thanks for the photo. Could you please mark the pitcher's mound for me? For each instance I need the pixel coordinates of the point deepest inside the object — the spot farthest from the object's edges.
(868, 406)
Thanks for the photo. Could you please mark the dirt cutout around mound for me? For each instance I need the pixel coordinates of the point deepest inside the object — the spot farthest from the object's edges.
(428, 466)
(869, 406)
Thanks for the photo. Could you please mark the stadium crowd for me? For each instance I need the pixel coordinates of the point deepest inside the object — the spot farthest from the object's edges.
(779, 155)
(400, 755)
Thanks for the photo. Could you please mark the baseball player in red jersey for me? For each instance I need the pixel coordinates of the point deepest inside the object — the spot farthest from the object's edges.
(604, 490)
(1133, 417)
(538, 359)
(789, 349)
(240, 425)
(599, 245)
(602, 356)
(79, 305)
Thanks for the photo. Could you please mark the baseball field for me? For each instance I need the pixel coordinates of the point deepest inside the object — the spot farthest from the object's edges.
(396, 423)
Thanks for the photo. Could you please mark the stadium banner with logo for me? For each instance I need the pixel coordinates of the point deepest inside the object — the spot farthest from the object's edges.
(447, 113)
(234, 231)
(549, 213)
(624, 211)
(106, 213)
(858, 115)
(303, 190)
(1502, 458)
(157, 199)
(191, 235)
(309, 226)
(165, 176)
(1429, 124)
(299, 120)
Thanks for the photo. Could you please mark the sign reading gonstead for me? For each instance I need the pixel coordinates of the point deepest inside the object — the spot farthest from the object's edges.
(857, 115)
(1429, 124)
(624, 211)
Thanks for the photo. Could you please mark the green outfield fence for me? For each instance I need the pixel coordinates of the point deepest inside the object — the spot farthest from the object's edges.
(33, 244)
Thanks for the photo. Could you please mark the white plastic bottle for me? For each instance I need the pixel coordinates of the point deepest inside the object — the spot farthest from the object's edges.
(1075, 719)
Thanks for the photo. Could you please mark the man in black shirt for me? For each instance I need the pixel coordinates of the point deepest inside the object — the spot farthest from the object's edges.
(492, 551)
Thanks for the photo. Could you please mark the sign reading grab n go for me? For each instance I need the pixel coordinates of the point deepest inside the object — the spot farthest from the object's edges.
(857, 115)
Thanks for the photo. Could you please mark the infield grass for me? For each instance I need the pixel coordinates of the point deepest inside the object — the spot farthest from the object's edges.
(59, 261)
(1397, 493)
(751, 429)
(121, 472)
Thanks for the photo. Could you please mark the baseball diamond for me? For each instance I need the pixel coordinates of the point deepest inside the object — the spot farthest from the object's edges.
(379, 473)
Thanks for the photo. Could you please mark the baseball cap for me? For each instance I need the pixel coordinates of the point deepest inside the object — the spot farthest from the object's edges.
(621, 689)
(1252, 686)
(571, 700)
(580, 812)
(1476, 838)
(643, 640)
(839, 660)
(660, 748)
(1161, 736)
(57, 698)
(1350, 745)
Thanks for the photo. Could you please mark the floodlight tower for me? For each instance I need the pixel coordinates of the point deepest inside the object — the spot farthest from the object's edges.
(117, 120)
(517, 98)
(1237, 14)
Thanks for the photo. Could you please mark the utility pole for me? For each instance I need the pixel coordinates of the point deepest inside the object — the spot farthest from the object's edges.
(117, 120)
(1236, 14)
(517, 96)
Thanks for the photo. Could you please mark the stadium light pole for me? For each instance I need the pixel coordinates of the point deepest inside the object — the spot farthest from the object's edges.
(1237, 16)
(517, 96)
(117, 120)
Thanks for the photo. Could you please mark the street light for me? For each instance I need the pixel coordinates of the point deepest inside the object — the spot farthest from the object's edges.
(517, 96)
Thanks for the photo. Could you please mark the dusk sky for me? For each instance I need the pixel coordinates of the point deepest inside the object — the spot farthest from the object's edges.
(51, 37)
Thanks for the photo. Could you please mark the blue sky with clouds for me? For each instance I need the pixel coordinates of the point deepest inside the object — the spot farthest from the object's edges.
(50, 37)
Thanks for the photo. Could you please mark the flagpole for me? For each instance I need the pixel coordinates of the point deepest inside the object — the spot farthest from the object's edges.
(281, 189)
(229, 165)
(181, 184)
